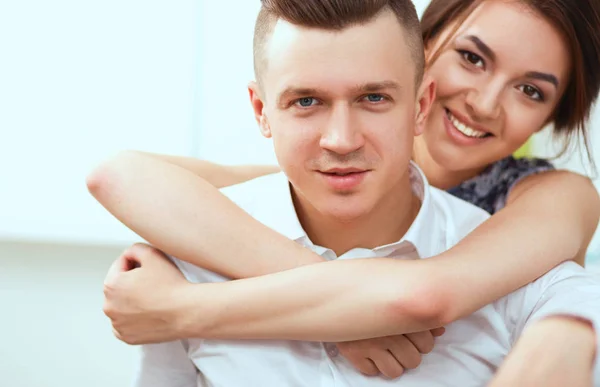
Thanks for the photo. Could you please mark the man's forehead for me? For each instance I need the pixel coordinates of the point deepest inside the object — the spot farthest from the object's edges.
(356, 57)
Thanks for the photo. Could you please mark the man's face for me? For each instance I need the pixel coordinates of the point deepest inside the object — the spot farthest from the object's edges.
(341, 107)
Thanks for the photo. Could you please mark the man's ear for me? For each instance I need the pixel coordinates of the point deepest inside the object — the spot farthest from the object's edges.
(425, 99)
(259, 109)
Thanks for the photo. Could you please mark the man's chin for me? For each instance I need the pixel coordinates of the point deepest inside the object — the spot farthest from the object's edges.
(344, 208)
(339, 205)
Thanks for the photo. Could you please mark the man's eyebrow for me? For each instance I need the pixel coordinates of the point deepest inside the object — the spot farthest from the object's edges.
(295, 92)
(372, 87)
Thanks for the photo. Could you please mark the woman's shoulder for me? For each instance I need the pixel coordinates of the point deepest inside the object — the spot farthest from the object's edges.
(511, 166)
(489, 190)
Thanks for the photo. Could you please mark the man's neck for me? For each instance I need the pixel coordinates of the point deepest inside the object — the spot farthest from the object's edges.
(438, 175)
(386, 223)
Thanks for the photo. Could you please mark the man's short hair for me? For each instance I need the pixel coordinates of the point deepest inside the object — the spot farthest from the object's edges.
(335, 15)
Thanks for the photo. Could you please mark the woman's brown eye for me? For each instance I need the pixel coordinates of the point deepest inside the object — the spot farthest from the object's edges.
(531, 92)
(472, 58)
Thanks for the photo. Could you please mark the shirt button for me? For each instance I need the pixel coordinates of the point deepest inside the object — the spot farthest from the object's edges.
(332, 350)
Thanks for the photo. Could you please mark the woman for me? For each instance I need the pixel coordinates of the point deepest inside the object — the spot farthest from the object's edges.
(494, 92)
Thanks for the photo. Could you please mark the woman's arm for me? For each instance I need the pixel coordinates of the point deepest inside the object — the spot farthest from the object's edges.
(216, 175)
(379, 296)
(549, 219)
(194, 222)
(185, 216)
(576, 217)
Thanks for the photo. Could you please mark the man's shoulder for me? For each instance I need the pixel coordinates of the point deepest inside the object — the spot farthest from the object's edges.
(568, 289)
(459, 217)
(568, 270)
(565, 277)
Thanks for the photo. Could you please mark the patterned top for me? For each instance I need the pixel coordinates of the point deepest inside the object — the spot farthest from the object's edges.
(489, 190)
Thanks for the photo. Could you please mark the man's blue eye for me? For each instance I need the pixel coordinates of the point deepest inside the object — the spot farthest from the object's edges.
(375, 98)
(306, 102)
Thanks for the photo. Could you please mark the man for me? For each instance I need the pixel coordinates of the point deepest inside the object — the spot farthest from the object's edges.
(342, 113)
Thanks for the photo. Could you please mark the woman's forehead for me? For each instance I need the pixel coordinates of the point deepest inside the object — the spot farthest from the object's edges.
(517, 35)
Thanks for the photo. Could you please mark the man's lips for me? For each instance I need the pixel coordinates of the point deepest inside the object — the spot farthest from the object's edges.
(344, 179)
(343, 171)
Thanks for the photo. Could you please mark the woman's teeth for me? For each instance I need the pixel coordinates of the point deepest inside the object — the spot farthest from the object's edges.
(464, 129)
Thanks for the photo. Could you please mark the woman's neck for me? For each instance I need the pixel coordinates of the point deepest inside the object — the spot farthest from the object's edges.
(439, 175)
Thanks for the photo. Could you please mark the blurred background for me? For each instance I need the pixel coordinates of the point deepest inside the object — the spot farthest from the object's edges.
(79, 81)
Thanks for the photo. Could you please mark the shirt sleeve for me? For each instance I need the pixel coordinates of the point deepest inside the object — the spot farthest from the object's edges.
(165, 365)
(567, 290)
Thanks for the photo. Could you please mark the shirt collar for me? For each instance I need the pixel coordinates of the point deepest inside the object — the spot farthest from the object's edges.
(276, 210)
(423, 233)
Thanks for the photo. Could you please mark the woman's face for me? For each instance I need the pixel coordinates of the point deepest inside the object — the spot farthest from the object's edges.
(499, 80)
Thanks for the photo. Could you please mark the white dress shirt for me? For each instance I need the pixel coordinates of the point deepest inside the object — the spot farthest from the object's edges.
(468, 354)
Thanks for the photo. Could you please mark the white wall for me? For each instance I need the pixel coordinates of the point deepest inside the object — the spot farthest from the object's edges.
(52, 328)
(79, 81)
(229, 133)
